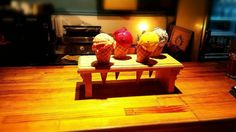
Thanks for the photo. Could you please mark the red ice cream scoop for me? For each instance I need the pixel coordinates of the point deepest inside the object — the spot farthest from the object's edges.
(123, 37)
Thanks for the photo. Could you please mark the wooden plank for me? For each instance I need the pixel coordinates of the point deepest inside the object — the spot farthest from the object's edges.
(44, 99)
(214, 105)
(88, 64)
(87, 79)
(167, 78)
(155, 109)
(214, 111)
(126, 121)
(31, 126)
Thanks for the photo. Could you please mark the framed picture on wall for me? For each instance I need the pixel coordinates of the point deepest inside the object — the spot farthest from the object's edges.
(180, 37)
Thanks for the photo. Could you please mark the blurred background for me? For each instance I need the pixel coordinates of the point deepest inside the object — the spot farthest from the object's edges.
(54, 32)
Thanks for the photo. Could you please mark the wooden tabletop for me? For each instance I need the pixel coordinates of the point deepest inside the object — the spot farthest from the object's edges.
(88, 63)
(44, 98)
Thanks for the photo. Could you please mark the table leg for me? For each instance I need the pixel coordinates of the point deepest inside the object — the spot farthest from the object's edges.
(87, 79)
(167, 78)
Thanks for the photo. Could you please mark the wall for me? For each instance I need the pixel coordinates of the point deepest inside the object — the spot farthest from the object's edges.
(110, 23)
(70, 6)
(191, 14)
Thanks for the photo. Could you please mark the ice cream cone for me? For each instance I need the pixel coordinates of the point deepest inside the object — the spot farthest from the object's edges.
(142, 54)
(120, 51)
(138, 76)
(158, 49)
(150, 73)
(117, 74)
(103, 47)
(124, 41)
(103, 54)
(104, 77)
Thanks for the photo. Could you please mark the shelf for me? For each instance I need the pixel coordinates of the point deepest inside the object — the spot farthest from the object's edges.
(222, 33)
(215, 55)
(218, 18)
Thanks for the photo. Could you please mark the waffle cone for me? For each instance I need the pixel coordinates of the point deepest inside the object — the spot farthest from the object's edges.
(158, 49)
(120, 51)
(142, 54)
(103, 55)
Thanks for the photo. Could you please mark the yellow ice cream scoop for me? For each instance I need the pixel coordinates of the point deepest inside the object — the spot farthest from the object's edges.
(149, 40)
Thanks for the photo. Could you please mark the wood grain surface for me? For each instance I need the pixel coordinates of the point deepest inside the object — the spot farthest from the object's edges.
(43, 98)
(89, 64)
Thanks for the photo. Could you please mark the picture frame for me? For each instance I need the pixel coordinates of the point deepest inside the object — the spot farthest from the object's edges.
(180, 37)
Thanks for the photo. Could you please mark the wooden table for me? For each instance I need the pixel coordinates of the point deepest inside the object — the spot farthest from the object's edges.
(46, 98)
(166, 69)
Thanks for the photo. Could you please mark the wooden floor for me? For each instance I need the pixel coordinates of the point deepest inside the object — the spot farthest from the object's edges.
(45, 98)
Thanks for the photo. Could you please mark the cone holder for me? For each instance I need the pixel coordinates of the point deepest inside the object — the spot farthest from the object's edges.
(166, 70)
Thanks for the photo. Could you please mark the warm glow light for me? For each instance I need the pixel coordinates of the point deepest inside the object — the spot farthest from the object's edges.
(143, 26)
(198, 26)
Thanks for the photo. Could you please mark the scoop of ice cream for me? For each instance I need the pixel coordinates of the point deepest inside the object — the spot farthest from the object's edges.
(123, 37)
(102, 40)
(149, 40)
(161, 33)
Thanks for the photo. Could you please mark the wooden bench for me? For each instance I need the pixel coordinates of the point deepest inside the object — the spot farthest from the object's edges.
(166, 69)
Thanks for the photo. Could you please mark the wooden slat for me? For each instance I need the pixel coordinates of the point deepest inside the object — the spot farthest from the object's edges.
(88, 64)
(126, 121)
(154, 109)
(43, 98)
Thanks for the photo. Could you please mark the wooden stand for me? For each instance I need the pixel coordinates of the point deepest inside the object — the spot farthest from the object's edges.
(166, 68)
